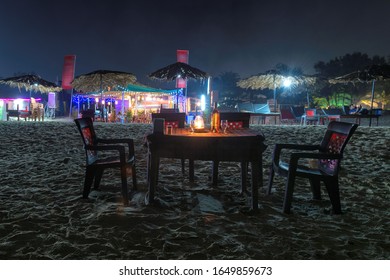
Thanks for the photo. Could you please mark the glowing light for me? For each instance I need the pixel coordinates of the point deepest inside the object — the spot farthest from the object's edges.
(19, 102)
(96, 100)
(287, 82)
(203, 102)
(199, 122)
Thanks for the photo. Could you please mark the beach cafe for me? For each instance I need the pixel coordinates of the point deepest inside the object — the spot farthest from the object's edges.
(133, 103)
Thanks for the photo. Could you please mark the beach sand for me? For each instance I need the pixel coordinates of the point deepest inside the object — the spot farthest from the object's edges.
(42, 214)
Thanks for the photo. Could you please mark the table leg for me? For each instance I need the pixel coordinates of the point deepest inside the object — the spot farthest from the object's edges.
(191, 170)
(152, 176)
(215, 173)
(257, 181)
(244, 172)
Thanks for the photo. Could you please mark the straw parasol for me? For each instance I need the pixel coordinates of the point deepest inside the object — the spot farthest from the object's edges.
(100, 80)
(31, 83)
(371, 74)
(178, 70)
(274, 79)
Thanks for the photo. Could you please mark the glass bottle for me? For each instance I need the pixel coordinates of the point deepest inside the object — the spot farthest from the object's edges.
(215, 119)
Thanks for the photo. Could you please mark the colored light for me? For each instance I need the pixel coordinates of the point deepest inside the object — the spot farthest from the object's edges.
(203, 102)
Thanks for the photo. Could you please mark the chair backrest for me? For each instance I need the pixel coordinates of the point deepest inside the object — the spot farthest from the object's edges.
(168, 110)
(310, 112)
(175, 119)
(85, 127)
(261, 108)
(286, 114)
(236, 119)
(336, 138)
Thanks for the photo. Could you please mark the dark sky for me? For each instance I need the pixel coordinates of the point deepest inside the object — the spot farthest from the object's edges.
(141, 36)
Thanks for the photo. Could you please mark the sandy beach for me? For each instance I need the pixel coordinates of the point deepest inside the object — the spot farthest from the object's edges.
(42, 214)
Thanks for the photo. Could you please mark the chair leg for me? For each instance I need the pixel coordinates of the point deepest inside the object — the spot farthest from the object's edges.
(271, 178)
(183, 166)
(288, 195)
(332, 186)
(244, 173)
(315, 188)
(98, 178)
(158, 169)
(125, 193)
(191, 170)
(89, 176)
(134, 176)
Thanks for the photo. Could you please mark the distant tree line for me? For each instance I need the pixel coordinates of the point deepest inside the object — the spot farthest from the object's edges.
(322, 93)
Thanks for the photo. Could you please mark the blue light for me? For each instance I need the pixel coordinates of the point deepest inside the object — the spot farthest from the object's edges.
(203, 102)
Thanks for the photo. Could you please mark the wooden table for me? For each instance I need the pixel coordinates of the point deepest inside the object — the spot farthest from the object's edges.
(239, 145)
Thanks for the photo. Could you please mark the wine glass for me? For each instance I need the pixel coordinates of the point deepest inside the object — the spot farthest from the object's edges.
(224, 125)
(192, 126)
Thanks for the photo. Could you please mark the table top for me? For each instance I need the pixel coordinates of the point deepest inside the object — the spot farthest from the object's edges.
(237, 132)
(236, 145)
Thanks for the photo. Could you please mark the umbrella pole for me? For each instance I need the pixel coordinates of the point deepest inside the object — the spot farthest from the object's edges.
(308, 99)
(274, 97)
(372, 99)
(123, 107)
(78, 106)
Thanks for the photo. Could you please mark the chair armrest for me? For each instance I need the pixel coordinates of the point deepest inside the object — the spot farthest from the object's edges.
(129, 142)
(119, 148)
(279, 147)
(294, 157)
(315, 156)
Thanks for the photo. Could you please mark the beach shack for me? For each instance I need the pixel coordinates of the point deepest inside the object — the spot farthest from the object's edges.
(132, 103)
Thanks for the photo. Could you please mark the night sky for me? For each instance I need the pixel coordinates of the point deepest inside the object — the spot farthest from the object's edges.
(141, 36)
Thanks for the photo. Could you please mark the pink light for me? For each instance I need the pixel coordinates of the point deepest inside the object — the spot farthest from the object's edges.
(23, 99)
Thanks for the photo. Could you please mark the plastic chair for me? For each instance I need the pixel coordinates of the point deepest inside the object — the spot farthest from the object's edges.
(95, 164)
(310, 116)
(327, 156)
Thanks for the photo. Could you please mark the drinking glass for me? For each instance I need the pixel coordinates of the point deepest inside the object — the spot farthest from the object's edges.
(192, 126)
(224, 125)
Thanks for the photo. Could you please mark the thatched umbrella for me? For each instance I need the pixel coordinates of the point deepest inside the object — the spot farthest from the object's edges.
(31, 83)
(100, 80)
(371, 74)
(274, 79)
(178, 70)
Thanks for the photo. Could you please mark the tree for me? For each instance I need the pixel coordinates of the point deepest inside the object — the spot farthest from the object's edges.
(226, 85)
(336, 94)
(346, 64)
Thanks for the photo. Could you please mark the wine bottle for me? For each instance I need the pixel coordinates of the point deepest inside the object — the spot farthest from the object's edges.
(215, 119)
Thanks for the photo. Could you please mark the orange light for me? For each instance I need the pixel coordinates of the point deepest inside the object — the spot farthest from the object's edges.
(199, 122)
